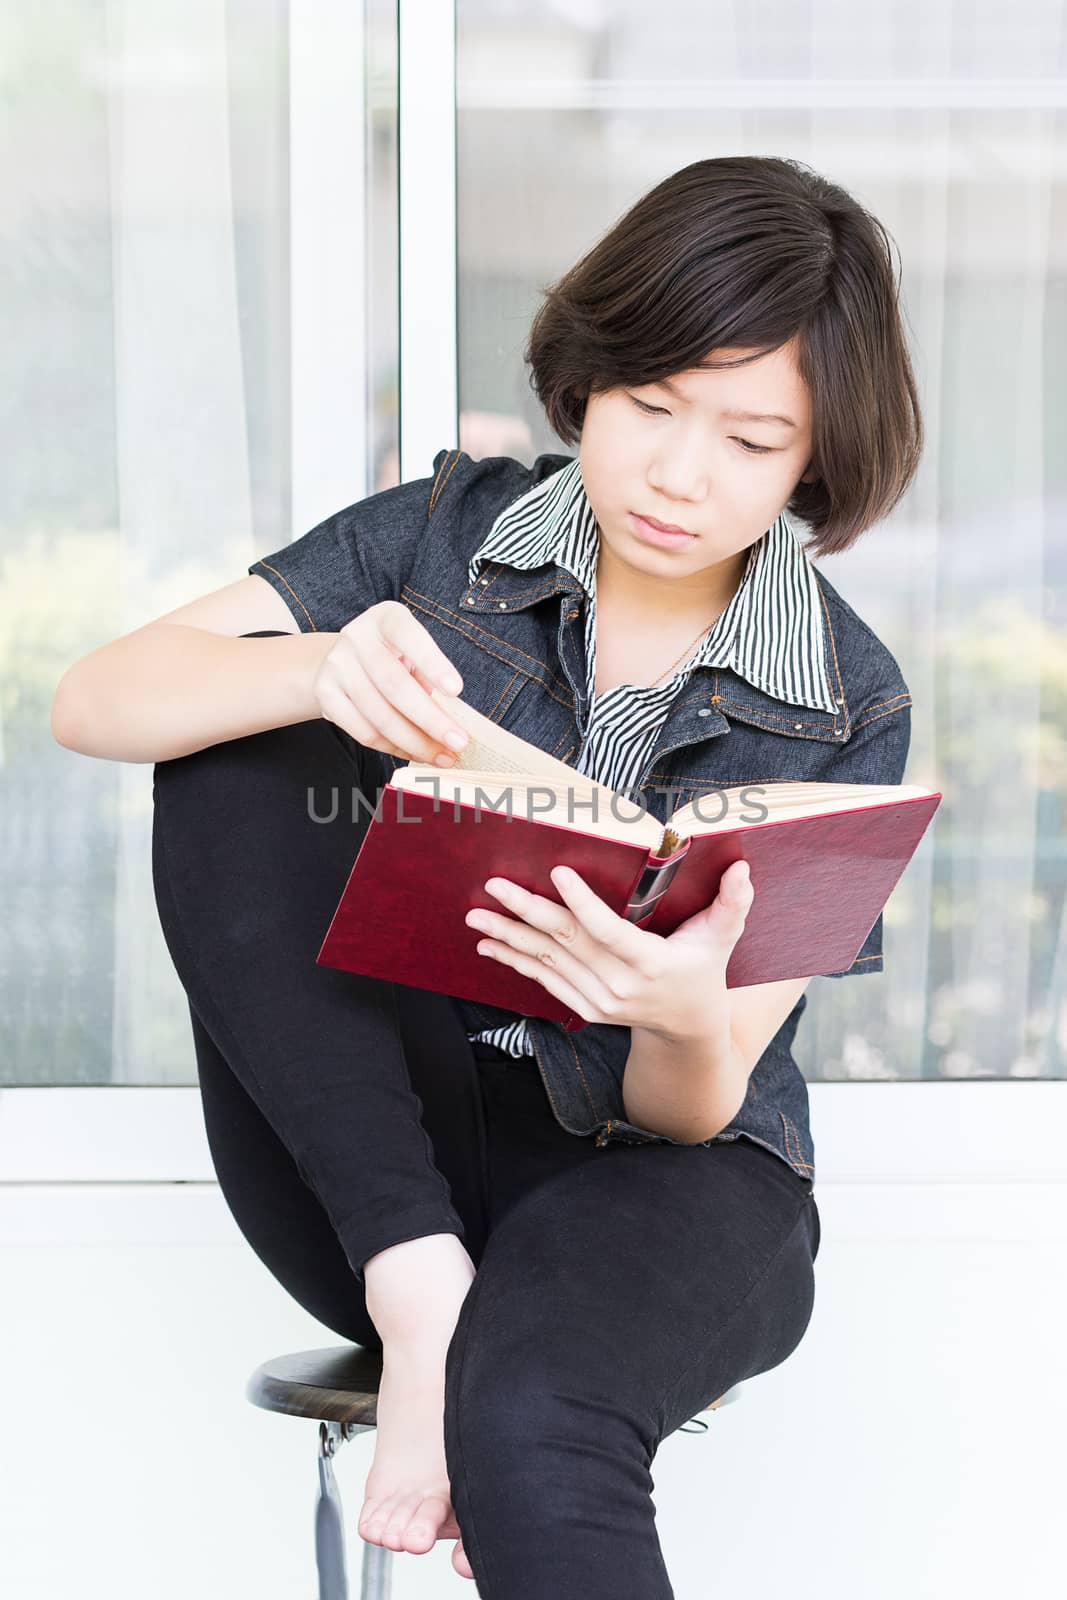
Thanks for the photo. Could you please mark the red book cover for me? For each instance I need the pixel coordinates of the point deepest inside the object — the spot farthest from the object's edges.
(819, 884)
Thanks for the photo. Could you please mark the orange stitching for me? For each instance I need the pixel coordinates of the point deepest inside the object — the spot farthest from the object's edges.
(568, 703)
(544, 1079)
(903, 706)
(433, 609)
(798, 1159)
(846, 970)
(756, 713)
(291, 590)
(581, 1074)
(555, 753)
(492, 714)
(436, 493)
(537, 591)
(903, 695)
(833, 648)
(436, 481)
(749, 714)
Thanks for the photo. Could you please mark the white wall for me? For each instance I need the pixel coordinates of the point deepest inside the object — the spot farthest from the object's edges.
(911, 1445)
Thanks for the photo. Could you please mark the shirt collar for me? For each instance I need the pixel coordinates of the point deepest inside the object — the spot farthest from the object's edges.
(772, 633)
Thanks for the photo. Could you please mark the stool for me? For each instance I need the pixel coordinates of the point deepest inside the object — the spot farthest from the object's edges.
(338, 1387)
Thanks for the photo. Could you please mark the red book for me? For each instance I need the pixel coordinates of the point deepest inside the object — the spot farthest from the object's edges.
(824, 859)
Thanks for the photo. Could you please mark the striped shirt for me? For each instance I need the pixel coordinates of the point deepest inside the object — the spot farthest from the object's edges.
(771, 633)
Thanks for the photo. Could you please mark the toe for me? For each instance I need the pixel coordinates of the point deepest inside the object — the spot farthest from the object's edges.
(429, 1512)
(374, 1517)
(459, 1560)
(394, 1533)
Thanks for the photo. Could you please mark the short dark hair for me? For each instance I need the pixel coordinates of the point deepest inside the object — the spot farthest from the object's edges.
(748, 252)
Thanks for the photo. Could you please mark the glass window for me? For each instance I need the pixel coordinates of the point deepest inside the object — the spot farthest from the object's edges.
(948, 124)
(160, 288)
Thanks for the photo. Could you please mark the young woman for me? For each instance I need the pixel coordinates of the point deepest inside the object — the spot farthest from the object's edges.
(564, 1244)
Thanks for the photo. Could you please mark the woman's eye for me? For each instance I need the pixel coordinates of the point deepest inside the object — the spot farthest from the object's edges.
(660, 411)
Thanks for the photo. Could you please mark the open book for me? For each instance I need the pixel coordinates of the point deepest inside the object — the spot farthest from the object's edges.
(824, 859)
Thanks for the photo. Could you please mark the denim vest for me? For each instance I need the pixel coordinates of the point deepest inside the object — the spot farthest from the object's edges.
(516, 638)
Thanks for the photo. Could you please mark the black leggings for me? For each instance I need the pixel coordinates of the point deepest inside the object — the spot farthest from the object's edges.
(618, 1290)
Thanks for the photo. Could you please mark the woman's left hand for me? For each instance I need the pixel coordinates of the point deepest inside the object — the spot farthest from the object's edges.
(608, 970)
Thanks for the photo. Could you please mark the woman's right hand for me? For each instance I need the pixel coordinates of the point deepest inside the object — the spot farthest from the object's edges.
(376, 681)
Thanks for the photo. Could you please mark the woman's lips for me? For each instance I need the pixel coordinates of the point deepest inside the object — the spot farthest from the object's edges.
(651, 534)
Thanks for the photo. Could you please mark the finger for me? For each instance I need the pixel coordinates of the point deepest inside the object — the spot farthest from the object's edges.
(385, 700)
(339, 709)
(536, 909)
(734, 898)
(406, 635)
(523, 940)
(388, 669)
(630, 945)
(546, 974)
(425, 668)
(588, 964)
(613, 974)
(342, 709)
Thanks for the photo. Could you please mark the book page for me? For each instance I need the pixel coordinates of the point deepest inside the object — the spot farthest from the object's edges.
(536, 799)
(782, 800)
(494, 749)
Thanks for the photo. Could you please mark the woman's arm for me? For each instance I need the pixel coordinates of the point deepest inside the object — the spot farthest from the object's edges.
(188, 680)
(690, 1089)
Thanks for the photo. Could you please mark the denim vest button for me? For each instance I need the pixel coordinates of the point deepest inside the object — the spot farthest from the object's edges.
(502, 604)
(704, 712)
(470, 599)
(798, 724)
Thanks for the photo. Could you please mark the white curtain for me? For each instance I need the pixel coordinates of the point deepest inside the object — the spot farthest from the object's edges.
(180, 411)
(144, 275)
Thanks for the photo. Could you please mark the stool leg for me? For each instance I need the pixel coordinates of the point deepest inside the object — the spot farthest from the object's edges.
(377, 1572)
(329, 1520)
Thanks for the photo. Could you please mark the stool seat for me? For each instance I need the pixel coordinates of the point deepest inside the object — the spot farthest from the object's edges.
(337, 1384)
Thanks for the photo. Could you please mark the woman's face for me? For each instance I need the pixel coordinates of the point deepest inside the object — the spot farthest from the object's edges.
(682, 459)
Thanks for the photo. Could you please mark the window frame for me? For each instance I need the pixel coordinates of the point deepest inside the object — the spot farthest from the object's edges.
(969, 1132)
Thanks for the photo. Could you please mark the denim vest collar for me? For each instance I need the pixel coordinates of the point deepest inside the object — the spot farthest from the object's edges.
(711, 693)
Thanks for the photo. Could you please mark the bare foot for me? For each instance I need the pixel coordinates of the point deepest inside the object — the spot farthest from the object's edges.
(407, 1503)
(415, 1291)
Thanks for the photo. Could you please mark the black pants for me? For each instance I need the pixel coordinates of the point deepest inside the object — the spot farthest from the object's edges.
(618, 1289)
